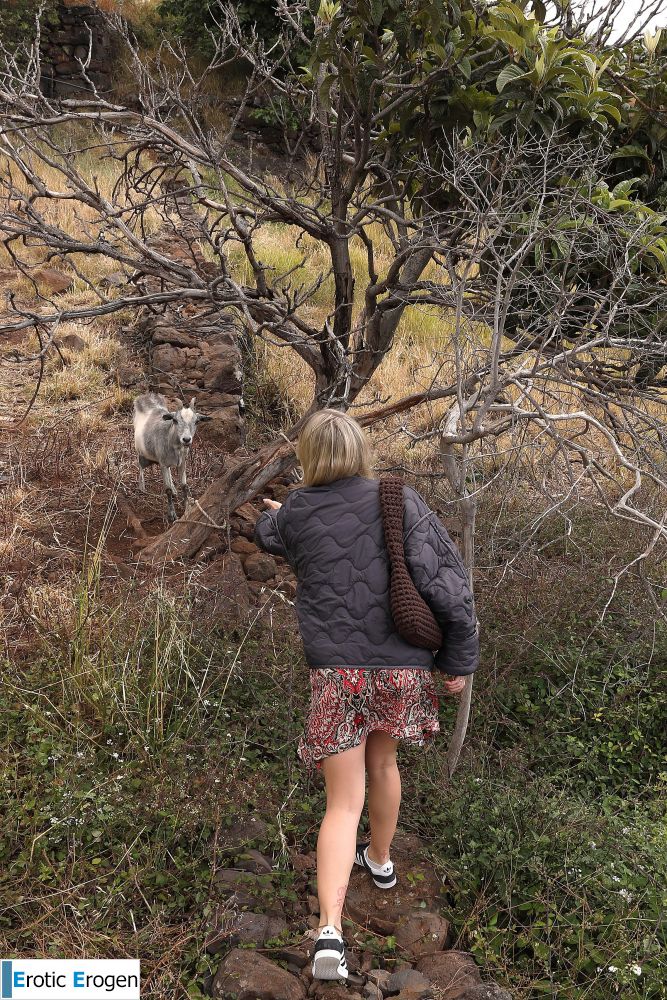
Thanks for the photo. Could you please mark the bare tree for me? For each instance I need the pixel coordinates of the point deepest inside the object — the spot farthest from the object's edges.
(604, 21)
(165, 148)
(357, 187)
(554, 295)
(559, 306)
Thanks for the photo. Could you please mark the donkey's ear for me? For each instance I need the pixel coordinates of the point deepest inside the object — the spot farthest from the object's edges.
(168, 416)
(203, 416)
(192, 402)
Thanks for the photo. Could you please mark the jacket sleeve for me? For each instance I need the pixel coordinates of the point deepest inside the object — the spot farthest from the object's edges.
(268, 533)
(442, 580)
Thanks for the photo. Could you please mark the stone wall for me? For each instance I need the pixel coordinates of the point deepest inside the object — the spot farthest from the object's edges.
(194, 350)
(65, 44)
(191, 355)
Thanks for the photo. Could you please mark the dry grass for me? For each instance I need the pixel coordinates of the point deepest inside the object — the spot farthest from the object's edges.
(97, 168)
(423, 351)
(86, 374)
(423, 340)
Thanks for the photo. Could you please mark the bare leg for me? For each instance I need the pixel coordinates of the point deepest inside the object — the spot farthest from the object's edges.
(384, 794)
(170, 490)
(346, 787)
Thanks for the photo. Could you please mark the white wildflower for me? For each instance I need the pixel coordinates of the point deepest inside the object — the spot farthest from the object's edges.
(636, 970)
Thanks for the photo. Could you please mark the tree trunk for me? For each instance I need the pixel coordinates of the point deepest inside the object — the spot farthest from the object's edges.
(235, 486)
(186, 537)
(456, 476)
(468, 508)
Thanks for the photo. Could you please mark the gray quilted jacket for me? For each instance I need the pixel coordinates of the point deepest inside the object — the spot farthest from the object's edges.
(332, 537)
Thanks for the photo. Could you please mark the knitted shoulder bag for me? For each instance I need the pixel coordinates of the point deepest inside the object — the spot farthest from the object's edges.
(412, 616)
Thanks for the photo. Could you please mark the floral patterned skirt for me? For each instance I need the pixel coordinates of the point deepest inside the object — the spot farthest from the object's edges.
(348, 703)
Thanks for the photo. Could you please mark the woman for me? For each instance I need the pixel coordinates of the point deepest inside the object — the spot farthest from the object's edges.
(369, 687)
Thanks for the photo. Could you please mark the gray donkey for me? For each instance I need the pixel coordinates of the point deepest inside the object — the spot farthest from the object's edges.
(163, 437)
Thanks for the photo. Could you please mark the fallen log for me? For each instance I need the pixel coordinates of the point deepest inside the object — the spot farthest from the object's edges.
(247, 477)
(234, 487)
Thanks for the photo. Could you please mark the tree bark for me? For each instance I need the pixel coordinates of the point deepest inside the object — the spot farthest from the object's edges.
(247, 477)
(455, 473)
(468, 509)
(235, 486)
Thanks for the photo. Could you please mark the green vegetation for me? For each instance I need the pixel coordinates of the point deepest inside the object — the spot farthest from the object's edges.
(132, 728)
(502, 78)
(17, 18)
(504, 68)
(197, 21)
(132, 739)
(555, 839)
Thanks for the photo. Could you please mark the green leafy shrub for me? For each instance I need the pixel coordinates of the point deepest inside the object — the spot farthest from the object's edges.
(605, 731)
(553, 838)
(138, 734)
(195, 20)
(17, 19)
(558, 893)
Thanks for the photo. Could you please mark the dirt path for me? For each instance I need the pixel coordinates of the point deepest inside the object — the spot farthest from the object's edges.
(398, 943)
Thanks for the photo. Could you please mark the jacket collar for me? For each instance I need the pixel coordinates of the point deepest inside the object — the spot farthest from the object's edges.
(339, 482)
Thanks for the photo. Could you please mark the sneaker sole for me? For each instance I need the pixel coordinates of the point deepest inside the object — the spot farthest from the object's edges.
(326, 965)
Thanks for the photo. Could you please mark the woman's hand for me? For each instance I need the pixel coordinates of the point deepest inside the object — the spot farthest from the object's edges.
(454, 685)
(271, 504)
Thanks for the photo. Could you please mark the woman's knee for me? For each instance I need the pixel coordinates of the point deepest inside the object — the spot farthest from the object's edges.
(381, 768)
(345, 807)
(346, 781)
(348, 800)
(381, 755)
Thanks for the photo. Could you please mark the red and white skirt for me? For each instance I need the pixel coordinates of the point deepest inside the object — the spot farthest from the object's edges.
(348, 703)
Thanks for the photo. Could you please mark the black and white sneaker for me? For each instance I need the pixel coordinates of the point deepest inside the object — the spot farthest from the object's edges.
(329, 955)
(384, 876)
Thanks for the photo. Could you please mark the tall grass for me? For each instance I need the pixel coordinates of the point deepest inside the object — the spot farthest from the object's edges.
(133, 661)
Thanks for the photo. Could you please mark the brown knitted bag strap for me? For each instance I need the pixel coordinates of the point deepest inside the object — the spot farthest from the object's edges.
(391, 506)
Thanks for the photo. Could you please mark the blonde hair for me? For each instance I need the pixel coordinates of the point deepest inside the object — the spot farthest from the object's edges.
(331, 446)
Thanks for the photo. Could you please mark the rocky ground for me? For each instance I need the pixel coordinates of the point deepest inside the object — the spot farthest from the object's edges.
(398, 942)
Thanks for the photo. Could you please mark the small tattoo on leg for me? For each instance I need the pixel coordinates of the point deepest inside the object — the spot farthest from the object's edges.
(340, 898)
